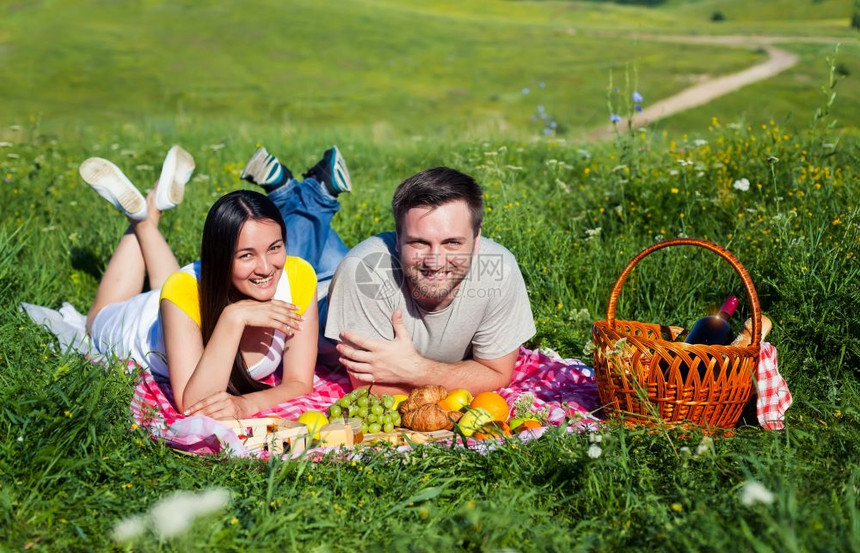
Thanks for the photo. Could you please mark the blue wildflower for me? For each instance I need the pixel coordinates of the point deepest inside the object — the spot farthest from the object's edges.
(615, 118)
(526, 91)
(637, 97)
(541, 109)
(638, 108)
(542, 84)
(547, 132)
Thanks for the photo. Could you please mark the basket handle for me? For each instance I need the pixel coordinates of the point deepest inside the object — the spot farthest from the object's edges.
(719, 250)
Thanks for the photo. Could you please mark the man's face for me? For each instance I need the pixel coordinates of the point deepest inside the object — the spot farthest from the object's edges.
(436, 245)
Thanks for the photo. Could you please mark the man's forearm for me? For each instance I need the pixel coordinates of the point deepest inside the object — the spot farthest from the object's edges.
(469, 374)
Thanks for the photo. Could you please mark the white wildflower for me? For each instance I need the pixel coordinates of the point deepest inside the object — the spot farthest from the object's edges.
(20, 438)
(593, 232)
(594, 451)
(129, 528)
(741, 184)
(595, 438)
(700, 142)
(216, 147)
(589, 348)
(753, 492)
(707, 444)
(5, 144)
(581, 316)
(175, 513)
(685, 450)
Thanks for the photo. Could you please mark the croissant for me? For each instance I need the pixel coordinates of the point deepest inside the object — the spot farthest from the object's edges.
(430, 417)
(422, 396)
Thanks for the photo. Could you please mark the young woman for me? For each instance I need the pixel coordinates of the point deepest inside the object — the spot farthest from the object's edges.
(217, 327)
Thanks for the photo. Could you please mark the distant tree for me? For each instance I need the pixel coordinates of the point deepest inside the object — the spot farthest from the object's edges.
(718, 16)
(855, 19)
(639, 2)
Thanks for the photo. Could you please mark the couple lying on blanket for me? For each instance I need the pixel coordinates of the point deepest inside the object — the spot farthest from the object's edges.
(276, 292)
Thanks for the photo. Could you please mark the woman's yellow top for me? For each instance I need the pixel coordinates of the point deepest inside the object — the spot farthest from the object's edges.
(181, 287)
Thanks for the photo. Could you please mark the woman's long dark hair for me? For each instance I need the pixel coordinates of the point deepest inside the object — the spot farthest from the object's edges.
(220, 235)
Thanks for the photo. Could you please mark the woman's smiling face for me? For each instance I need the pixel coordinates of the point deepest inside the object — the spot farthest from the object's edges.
(259, 259)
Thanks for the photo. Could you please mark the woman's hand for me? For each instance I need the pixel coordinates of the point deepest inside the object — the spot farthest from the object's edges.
(222, 406)
(276, 314)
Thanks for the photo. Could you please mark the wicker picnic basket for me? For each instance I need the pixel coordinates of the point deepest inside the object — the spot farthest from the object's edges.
(639, 369)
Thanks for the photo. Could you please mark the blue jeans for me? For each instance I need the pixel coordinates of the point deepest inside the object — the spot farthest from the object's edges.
(308, 208)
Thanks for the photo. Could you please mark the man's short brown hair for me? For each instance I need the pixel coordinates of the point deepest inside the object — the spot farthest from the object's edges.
(435, 187)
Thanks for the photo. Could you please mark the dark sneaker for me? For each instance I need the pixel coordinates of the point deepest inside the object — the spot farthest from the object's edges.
(111, 184)
(264, 169)
(332, 172)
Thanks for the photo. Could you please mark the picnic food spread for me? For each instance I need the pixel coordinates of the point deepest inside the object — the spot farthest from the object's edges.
(427, 414)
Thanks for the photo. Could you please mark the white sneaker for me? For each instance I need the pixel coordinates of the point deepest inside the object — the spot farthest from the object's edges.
(111, 184)
(175, 173)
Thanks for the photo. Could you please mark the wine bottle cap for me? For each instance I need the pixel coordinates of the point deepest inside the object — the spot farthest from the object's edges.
(730, 305)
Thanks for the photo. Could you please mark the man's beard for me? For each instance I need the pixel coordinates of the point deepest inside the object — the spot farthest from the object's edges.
(423, 288)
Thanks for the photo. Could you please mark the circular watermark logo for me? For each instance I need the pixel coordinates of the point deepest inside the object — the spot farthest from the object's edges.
(378, 276)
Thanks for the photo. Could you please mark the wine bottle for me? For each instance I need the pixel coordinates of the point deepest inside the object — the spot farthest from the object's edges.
(714, 330)
(711, 330)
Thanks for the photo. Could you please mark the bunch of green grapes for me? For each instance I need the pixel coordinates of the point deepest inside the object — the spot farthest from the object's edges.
(377, 413)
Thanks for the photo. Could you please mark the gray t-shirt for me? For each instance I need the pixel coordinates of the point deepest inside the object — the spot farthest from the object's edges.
(489, 317)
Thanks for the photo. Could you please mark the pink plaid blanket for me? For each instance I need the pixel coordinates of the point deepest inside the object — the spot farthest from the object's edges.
(565, 388)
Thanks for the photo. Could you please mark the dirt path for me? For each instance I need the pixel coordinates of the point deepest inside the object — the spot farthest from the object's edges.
(778, 61)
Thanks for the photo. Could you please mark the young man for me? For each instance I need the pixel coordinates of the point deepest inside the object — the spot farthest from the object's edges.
(433, 302)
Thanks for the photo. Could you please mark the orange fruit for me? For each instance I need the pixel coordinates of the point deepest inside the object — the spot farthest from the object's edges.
(493, 403)
(456, 400)
(494, 429)
(528, 424)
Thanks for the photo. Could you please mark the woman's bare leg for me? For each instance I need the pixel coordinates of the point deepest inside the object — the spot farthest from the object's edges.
(142, 250)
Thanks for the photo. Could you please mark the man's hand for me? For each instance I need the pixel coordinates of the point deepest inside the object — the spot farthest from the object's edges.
(385, 361)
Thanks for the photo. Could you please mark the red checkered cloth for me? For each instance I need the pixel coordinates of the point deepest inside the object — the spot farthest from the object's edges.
(774, 399)
(564, 387)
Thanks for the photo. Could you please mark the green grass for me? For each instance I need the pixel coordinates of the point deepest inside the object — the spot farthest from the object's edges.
(294, 65)
(70, 465)
(78, 469)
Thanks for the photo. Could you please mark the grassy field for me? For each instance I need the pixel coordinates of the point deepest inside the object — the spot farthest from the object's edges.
(462, 72)
(572, 212)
